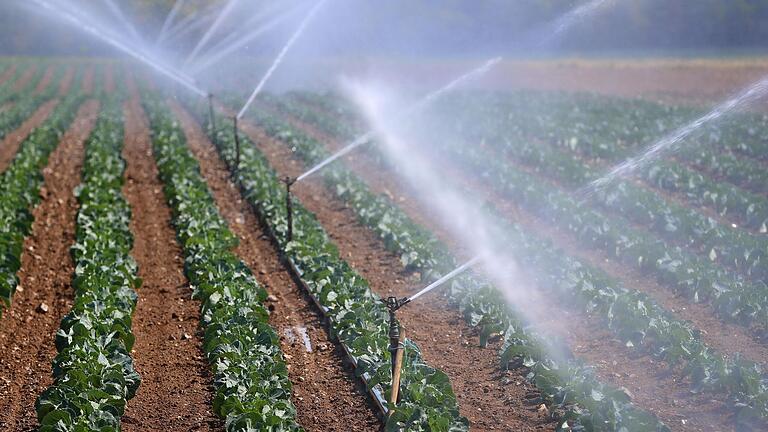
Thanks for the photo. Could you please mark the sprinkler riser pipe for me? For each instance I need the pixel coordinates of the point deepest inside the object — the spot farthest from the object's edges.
(396, 348)
(211, 116)
(237, 144)
(394, 339)
(289, 207)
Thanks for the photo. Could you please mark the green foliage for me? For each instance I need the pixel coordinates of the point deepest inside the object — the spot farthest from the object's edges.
(93, 370)
(19, 191)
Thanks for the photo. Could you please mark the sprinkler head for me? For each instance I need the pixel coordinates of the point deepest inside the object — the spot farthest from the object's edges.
(289, 181)
(394, 304)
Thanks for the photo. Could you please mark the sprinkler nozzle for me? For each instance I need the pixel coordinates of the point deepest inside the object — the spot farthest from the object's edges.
(394, 303)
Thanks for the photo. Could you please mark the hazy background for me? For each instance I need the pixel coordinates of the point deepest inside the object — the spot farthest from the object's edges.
(446, 28)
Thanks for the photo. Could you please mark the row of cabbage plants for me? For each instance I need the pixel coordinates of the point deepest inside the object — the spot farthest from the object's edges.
(93, 370)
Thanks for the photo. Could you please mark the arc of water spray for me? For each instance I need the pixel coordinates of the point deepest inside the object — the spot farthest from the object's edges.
(566, 21)
(236, 41)
(169, 19)
(671, 142)
(413, 109)
(281, 56)
(192, 22)
(122, 46)
(120, 16)
(211, 31)
(460, 269)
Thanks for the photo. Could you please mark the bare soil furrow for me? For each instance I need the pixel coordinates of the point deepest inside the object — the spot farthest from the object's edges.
(25, 78)
(8, 74)
(109, 78)
(66, 81)
(88, 75)
(45, 80)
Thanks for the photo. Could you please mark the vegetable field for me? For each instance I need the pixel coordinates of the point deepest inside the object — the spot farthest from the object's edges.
(153, 277)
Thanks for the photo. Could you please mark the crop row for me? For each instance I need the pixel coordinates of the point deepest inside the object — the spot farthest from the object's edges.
(8, 92)
(687, 273)
(567, 384)
(19, 191)
(26, 103)
(731, 246)
(357, 316)
(690, 274)
(250, 375)
(634, 316)
(607, 129)
(588, 134)
(612, 128)
(93, 370)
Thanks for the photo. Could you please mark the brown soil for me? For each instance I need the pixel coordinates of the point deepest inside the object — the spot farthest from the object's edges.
(697, 81)
(322, 382)
(109, 78)
(446, 341)
(652, 385)
(25, 78)
(12, 141)
(8, 74)
(88, 75)
(45, 80)
(26, 332)
(176, 390)
(66, 81)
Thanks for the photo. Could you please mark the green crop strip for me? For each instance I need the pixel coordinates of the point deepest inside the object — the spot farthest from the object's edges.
(728, 245)
(8, 89)
(563, 384)
(611, 129)
(252, 387)
(582, 129)
(93, 370)
(633, 316)
(20, 191)
(697, 278)
(731, 246)
(26, 104)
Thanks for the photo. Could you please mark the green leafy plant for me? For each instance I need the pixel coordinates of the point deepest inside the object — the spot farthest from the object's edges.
(93, 370)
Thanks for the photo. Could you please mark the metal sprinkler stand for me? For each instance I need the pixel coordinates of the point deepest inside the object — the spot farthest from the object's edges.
(212, 118)
(237, 144)
(396, 347)
(289, 205)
